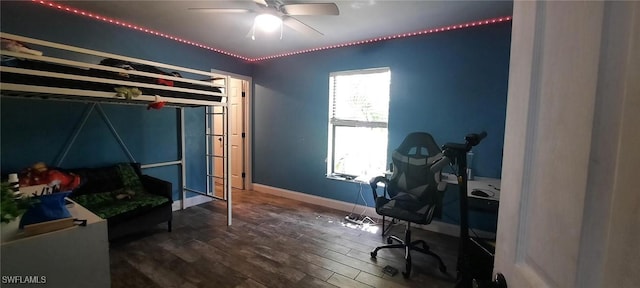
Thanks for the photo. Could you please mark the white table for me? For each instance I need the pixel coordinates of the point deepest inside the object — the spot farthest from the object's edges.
(489, 185)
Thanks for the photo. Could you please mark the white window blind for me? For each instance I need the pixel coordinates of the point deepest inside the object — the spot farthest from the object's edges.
(360, 97)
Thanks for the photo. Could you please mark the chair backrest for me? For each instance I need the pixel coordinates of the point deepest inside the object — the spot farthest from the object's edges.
(411, 168)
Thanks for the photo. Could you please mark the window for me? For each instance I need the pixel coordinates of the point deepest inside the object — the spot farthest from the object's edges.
(358, 118)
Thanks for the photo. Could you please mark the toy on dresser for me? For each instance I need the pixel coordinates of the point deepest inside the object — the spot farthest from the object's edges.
(48, 188)
(40, 174)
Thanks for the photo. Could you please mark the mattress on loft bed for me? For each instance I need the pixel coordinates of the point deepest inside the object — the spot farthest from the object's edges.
(16, 78)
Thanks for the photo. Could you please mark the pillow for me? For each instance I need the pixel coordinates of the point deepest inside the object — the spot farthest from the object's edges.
(129, 177)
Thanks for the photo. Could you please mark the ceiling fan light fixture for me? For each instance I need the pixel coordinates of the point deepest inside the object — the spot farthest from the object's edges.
(267, 22)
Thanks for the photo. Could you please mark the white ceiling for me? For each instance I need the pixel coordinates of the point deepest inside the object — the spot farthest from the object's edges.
(358, 20)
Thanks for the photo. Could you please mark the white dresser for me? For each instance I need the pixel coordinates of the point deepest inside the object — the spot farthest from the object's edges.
(70, 257)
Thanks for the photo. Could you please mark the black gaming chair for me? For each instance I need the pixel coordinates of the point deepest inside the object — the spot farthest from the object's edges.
(411, 194)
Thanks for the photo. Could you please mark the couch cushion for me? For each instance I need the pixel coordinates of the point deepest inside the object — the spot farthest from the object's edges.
(107, 205)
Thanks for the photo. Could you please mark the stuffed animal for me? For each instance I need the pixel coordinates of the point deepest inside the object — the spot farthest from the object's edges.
(127, 93)
(15, 46)
(126, 194)
(34, 175)
(40, 174)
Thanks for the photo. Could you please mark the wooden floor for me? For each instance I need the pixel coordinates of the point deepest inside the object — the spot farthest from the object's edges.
(273, 242)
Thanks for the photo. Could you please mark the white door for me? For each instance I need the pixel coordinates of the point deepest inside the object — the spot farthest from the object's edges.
(569, 205)
(236, 140)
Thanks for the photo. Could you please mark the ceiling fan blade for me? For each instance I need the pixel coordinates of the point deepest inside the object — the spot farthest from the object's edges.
(220, 10)
(261, 2)
(310, 9)
(295, 24)
(252, 32)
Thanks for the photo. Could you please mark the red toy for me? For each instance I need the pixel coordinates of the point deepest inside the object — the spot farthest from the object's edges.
(40, 174)
(158, 104)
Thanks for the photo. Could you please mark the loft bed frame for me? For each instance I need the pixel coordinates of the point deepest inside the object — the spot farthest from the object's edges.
(29, 76)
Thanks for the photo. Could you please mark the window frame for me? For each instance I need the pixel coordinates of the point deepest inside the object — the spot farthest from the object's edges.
(334, 123)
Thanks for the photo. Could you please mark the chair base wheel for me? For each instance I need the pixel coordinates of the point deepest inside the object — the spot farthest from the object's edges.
(373, 255)
(405, 275)
(389, 240)
(443, 269)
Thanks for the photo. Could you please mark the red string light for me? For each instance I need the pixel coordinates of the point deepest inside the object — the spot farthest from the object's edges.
(123, 24)
(360, 42)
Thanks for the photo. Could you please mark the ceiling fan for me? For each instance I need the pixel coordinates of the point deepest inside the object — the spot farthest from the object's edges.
(275, 13)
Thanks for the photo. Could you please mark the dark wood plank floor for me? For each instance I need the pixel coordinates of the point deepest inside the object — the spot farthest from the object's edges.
(273, 242)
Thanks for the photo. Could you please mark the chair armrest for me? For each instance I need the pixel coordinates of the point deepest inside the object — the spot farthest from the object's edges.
(374, 186)
(157, 186)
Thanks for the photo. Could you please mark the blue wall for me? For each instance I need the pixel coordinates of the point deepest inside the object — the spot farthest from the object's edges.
(448, 84)
(37, 130)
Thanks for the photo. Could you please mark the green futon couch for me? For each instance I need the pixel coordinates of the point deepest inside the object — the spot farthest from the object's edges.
(130, 201)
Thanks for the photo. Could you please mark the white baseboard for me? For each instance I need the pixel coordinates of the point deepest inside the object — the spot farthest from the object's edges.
(435, 226)
(325, 202)
(191, 201)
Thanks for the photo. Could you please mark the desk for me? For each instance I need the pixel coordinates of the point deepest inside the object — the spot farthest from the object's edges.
(70, 257)
(478, 203)
(489, 185)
